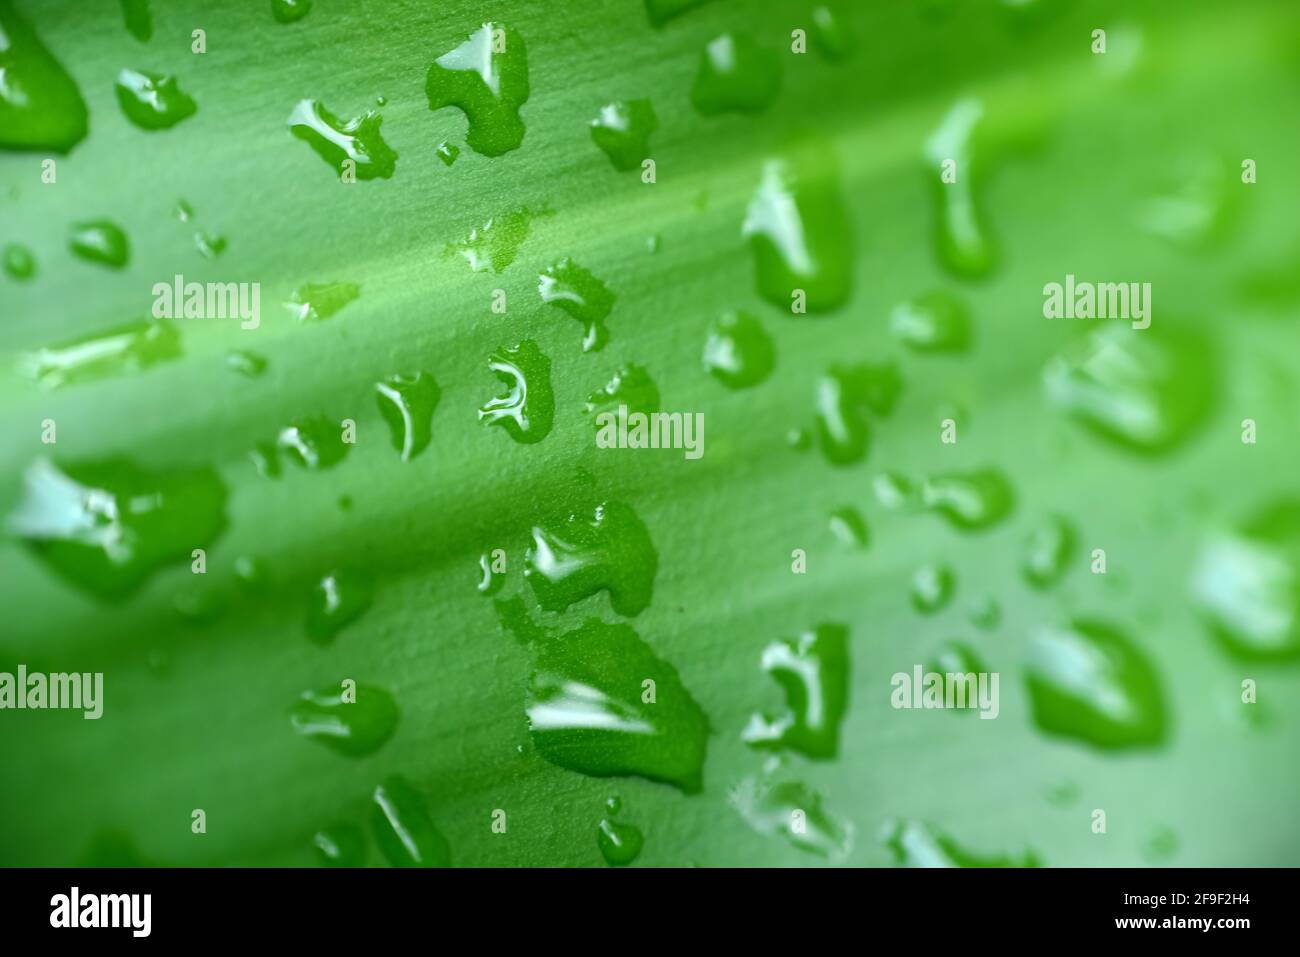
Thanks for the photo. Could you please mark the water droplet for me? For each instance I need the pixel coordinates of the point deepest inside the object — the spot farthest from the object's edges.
(799, 439)
(339, 598)
(631, 386)
(251, 573)
(601, 703)
(314, 442)
(813, 671)
(316, 301)
(969, 500)
(489, 582)
(661, 11)
(335, 140)
(572, 288)
(957, 658)
(448, 152)
(343, 845)
(246, 363)
(736, 75)
(1090, 682)
(1246, 584)
(527, 410)
(107, 526)
(961, 235)
(153, 101)
(407, 403)
(619, 844)
(183, 211)
(40, 105)
(932, 588)
(849, 527)
(830, 34)
(208, 245)
(403, 829)
(266, 459)
(495, 244)
(100, 241)
(351, 727)
(1197, 207)
(739, 352)
(18, 262)
(845, 394)
(1139, 389)
(622, 131)
(288, 11)
(580, 556)
(936, 322)
(139, 20)
(487, 78)
(799, 233)
(1160, 844)
(652, 244)
(987, 614)
(917, 844)
(794, 811)
(1047, 552)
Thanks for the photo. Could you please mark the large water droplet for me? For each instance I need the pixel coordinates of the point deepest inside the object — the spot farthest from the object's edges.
(407, 403)
(1246, 584)
(845, 396)
(813, 671)
(794, 811)
(574, 289)
(798, 230)
(107, 526)
(403, 829)
(619, 844)
(527, 410)
(1140, 389)
(936, 322)
(739, 352)
(487, 77)
(736, 75)
(100, 241)
(917, 844)
(40, 105)
(316, 301)
(153, 101)
(130, 348)
(354, 727)
(336, 140)
(622, 130)
(339, 598)
(1089, 681)
(608, 550)
(961, 235)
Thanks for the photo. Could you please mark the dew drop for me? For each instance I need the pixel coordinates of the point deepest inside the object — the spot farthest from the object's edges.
(849, 527)
(736, 75)
(961, 234)
(795, 812)
(448, 153)
(335, 140)
(100, 241)
(970, 501)
(986, 614)
(107, 526)
(917, 844)
(622, 131)
(527, 410)
(830, 34)
(314, 442)
(570, 287)
(350, 727)
(1047, 552)
(407, 403)
(339, 598)
(40, 105)
(208, 245)
(936, 322)
(153, 101)
(608, 549)
(403, 829)
(343, 845)
(932, 588)
(739, 352)
(1197, 207)
(246, 363)
(1090, 682)
(290, 11)
(845, 396)
(495, 244)
(620, 844)
(487, 78)
(813, 671)
(18, 262)
(631, 386)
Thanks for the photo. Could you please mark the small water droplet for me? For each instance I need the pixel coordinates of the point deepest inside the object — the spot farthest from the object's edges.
(246, 363)
(622, 131)
(107, 526)
(1198, 204)
(631, 386)
(183, 211)
(961, 234)
(794, 811)
(208, 245)
(351, 726)
(314, 442)
(18, 262)
(288, 11)
(574, 289)
(403, 829)
(620, 844)
(736, 75)
(495, 244)
(153, 101)
(100, 241)
(1090, 682)
(265, 457)
(448, 152)
(830, 34)
(958, 658)
(527, 410)
(40, 105)
(932, 588)
(917, 844)
(487, 78)
(407, 403)
(936, 322)
(316, 301)
(739, 352)
(608, 549)
(1047, 552)
(813, 670)
(849, 527)
(970, 501)
(335, 140)
(845, 396)
(343, 845)
(987, 614)
(200, 603)
(251, 573)
(339, 598)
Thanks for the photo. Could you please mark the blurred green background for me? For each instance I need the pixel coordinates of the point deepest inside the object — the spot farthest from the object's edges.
(1123, 166)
